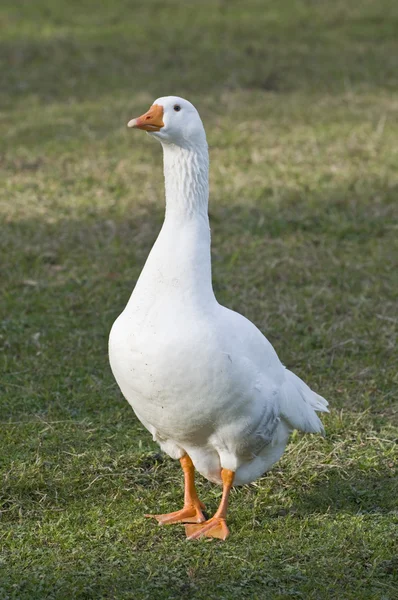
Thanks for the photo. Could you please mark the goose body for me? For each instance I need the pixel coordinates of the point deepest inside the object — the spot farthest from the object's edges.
(201, 378)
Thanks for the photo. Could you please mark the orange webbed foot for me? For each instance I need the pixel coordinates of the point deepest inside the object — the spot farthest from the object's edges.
(215, 527)
(188, 514)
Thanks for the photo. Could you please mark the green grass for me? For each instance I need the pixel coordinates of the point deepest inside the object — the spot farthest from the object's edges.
(300, 103)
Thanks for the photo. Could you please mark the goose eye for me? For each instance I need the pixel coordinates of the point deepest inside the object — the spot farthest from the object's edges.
(177, 107)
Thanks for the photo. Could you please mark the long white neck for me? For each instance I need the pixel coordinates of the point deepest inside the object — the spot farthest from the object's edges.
(178, 268)
(186, 175)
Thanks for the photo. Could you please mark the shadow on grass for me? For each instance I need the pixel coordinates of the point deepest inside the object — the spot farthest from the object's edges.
(354, 491)
(344, 491)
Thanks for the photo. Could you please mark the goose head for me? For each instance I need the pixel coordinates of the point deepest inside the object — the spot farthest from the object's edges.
(172, 120)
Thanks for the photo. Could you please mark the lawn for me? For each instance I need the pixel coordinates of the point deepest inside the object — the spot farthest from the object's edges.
(300, 103)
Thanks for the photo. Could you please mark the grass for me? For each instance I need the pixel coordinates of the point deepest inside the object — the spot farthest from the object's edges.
(300, 102)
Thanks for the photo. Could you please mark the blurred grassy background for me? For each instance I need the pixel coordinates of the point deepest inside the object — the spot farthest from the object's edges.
(299, 100)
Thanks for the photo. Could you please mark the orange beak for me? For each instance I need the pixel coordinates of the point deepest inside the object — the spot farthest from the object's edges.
(150, 121)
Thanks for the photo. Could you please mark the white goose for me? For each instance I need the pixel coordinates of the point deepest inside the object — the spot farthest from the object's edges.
(201, 378)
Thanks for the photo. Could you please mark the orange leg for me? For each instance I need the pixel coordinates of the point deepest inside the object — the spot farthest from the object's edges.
(216, 526)
(192, 511)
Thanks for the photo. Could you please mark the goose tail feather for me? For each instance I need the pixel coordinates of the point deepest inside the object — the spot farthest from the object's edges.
(299, 405)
